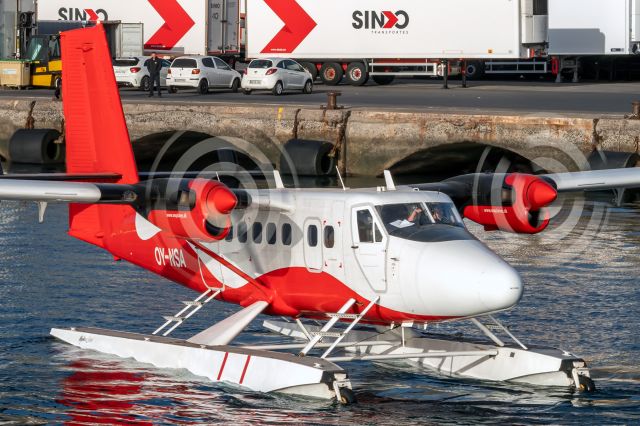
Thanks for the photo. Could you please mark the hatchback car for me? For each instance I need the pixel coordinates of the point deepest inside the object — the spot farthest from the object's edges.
(277, 75)
(133, 72)
(202, 73)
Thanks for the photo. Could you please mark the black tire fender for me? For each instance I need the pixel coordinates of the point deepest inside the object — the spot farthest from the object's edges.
(36, 146)
(307, 158)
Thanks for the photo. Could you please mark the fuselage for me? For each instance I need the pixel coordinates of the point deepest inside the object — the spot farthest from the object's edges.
(307, 251)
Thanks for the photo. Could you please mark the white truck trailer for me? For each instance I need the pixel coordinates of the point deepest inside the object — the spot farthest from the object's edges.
(597, 31)
(362, 38)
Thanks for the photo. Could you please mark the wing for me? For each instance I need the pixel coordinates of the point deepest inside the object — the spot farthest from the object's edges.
(595, 180)
(516, 202)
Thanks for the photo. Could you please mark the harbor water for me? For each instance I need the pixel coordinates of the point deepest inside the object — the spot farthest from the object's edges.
(582, 294)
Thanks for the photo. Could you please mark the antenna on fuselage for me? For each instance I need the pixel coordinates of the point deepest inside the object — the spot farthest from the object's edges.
(340, 177)
(278, 180)
(388, 180)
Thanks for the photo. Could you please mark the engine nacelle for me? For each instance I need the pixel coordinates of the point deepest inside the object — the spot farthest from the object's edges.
(512, 203)
(197, 209)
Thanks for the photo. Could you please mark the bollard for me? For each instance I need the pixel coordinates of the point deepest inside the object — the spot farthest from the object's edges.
(332, 100)
(635, 112)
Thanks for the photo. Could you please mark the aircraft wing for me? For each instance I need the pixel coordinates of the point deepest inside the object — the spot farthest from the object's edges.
(66, 192)
(595, 180)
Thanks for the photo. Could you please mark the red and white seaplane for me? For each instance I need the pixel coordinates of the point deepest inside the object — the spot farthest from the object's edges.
(371, 267)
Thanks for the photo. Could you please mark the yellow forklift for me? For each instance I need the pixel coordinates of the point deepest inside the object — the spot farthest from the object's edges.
(40, 46)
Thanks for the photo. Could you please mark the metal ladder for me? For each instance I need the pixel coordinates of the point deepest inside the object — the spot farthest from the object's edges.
(316, 336)
(192, 306)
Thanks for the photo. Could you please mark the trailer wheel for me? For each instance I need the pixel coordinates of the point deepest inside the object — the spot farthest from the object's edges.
(475, 70)
(35, 146)
(331, 73)
(311, 67)
(357, 74)
(307, 158)
(247, 91)
(383, 80)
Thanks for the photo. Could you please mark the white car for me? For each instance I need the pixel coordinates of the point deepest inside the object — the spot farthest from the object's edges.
(277, 75)
(133, 72)
(202, 73)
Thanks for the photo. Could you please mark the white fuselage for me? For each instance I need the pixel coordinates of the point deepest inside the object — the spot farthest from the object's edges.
(310, 245)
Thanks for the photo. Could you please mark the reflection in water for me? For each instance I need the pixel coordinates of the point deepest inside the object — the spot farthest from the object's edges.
(581, 294)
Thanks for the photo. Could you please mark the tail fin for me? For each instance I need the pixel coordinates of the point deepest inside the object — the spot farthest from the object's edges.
(97, 138)
(96, 132)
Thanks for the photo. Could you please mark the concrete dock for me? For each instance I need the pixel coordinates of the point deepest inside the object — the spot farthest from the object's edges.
(370, 139)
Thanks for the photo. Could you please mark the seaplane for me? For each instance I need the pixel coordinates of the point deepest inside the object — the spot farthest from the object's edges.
(349, 274)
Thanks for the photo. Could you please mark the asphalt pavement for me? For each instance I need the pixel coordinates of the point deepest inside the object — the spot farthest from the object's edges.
(496, 97)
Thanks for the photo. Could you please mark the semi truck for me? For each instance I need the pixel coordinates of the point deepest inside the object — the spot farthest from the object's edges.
(358, 39)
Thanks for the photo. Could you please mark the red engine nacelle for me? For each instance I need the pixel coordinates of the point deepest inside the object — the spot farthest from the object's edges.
(201, 211)
(520, 208)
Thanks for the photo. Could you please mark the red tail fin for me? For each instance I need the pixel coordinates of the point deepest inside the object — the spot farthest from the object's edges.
(97, 138)
(96, 132)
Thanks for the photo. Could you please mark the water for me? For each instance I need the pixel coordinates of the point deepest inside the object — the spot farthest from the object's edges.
(582, 293)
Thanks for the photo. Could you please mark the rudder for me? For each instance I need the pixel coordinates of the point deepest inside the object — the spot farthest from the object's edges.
(97, 138)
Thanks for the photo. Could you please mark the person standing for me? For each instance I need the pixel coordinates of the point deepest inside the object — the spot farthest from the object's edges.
(154, 65)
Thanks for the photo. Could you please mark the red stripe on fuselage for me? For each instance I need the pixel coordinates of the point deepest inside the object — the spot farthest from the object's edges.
(291, 291)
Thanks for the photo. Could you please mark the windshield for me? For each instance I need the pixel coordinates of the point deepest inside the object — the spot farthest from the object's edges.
(261, 63)
(423, 221)
(36, 50)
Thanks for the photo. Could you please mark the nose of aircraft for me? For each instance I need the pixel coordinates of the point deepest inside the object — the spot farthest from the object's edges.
(500, 288)
(465, 278)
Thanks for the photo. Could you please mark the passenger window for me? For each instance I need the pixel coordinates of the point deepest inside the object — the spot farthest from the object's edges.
(312, 235)
(271, 233)
(242, 232)
(329, 236)
(257, 232)
(365, 226)
(281, 65)
(208, 62)
(292, 66)
(229, 236)
(286, 234)
(221, 64)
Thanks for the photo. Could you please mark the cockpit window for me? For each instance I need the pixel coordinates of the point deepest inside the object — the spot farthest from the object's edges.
(444, 213)
(399, 216)
(368, 231)
(422, 221)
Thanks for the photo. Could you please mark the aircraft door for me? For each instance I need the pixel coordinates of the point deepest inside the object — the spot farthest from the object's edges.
(313, 245)
(369, 245)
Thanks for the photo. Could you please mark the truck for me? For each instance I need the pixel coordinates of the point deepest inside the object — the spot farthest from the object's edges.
(362, 38)
(357, 39)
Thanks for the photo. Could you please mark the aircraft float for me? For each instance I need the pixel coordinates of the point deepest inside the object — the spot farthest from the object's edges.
(371, 268)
